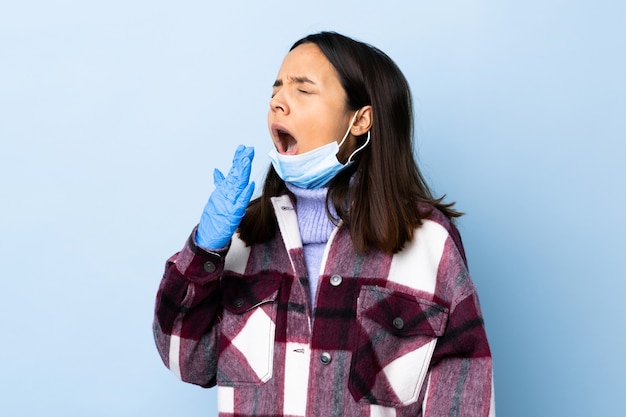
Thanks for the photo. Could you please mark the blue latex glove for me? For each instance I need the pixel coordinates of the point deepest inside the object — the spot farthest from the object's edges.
(228, 202)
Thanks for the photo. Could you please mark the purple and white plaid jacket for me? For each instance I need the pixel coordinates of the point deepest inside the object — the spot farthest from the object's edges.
(390, 335)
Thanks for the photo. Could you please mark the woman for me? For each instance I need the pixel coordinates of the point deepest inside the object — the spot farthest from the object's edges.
(343, 290)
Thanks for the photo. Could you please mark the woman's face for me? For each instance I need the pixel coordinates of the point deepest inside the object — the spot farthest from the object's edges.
(308, 106)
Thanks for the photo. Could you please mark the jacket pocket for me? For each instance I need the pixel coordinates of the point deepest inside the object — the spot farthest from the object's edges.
(247, 330)
(397, 333)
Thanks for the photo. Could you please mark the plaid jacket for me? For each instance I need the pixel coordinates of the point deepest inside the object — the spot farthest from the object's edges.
(390, 335)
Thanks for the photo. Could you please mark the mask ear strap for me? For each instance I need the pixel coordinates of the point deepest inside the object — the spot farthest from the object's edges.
(348, 131)
(358, 149)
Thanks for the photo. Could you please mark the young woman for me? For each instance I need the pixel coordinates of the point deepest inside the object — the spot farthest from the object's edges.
(343, 290)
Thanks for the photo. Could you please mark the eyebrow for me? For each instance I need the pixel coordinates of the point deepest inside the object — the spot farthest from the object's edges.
(297, 80)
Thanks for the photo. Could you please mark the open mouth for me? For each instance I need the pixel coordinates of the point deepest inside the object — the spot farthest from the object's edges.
(286, 143)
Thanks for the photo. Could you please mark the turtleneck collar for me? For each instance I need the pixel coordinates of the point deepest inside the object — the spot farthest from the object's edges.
(313, 221)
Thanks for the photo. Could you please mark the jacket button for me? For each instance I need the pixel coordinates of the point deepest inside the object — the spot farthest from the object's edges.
(325, 358)
(209, 267)
(398, 323)
(336, 280)
(238, 302)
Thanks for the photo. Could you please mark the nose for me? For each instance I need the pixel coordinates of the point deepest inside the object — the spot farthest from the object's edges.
(277, 104)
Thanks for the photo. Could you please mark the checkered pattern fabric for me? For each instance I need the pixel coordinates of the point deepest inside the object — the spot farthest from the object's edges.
(390, 335)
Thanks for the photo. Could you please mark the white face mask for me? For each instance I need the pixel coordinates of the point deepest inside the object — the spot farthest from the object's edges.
(313, 169)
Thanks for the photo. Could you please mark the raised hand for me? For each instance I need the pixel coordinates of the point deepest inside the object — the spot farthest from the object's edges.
(228, 202)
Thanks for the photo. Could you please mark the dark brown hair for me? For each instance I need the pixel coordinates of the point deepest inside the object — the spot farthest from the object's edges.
(380, 203)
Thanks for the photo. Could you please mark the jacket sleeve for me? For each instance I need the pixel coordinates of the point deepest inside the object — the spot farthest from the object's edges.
(187, 313)
(461, 376)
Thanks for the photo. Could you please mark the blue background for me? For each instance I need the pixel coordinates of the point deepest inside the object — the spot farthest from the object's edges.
(114, 113)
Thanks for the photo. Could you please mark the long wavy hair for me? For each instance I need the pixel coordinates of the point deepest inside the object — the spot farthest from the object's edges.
(377, 197)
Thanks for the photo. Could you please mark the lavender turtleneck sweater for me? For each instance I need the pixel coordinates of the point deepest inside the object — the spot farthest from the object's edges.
(315, 229)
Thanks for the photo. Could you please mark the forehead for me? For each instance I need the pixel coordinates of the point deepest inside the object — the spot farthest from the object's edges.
(307, 60)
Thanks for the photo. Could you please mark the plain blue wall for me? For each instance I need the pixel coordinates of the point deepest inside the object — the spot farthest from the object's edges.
(114, 113)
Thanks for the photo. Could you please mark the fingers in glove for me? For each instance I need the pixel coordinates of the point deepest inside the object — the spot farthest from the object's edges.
(218, 177)
(239, 174)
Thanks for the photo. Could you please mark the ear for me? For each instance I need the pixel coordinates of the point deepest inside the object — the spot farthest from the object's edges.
(363, 122)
